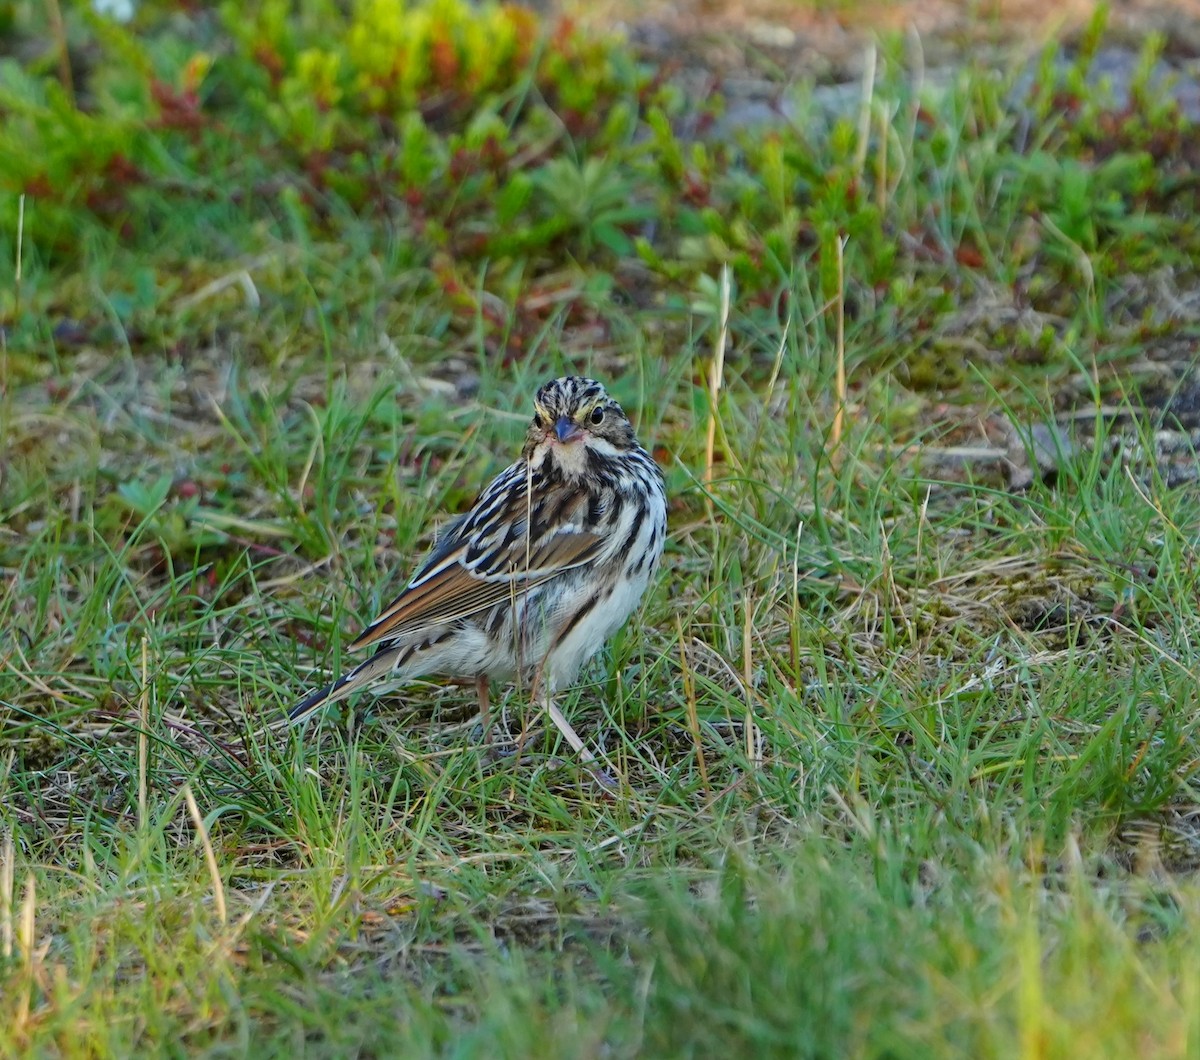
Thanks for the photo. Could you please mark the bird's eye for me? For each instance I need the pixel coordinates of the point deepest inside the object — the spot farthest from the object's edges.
(597, 415)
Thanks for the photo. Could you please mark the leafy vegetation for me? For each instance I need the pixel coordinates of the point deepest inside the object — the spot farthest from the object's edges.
(907, 731)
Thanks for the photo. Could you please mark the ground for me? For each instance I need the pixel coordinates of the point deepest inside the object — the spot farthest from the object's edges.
(904, 736)
(825, 42)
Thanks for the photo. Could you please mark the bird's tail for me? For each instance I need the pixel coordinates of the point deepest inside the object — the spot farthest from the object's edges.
(364, 673)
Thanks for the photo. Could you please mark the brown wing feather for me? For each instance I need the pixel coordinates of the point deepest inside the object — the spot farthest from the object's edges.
(455, 592)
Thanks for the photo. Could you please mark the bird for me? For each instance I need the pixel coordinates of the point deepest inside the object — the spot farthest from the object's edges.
(531, 581)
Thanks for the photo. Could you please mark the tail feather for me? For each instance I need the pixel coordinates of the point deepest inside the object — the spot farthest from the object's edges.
(349, 683)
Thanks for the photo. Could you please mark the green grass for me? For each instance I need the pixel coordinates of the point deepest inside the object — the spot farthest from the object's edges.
(907, 757)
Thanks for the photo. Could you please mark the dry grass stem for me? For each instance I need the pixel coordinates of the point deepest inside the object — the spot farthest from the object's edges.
(210, 857)
(839, 307)
(689, 697)
(26, 937)
(752, 752)
(870, 58)
(716, 379)
(143, 743)
(58, 30)
(7, 878)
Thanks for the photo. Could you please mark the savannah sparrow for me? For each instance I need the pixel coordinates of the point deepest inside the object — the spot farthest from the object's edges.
(547, 564)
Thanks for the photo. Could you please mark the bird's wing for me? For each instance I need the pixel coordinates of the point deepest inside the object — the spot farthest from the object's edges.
(487, 556)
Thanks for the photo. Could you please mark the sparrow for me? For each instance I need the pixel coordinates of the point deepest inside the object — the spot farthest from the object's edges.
(532, 580)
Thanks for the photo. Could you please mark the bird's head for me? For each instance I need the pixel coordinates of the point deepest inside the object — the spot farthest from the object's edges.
(573, 414)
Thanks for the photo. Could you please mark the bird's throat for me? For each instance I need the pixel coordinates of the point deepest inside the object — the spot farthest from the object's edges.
(565, 459)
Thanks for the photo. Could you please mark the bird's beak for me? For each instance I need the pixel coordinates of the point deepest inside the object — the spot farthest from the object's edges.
(566, 430)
